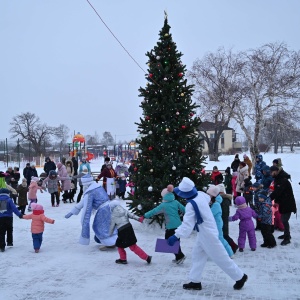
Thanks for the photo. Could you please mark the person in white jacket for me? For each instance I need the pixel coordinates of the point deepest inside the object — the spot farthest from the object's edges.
(207, 243)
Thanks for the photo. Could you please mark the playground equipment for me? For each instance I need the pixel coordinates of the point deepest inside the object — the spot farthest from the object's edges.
(79, 149)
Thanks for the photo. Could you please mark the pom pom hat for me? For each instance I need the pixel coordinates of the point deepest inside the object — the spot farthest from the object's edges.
(213, 190)
(36, 206)
(168, 189)
(186, 189)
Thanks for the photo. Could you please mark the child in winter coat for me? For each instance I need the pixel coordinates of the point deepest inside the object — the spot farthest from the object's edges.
(32, 191)
(225, 205)
(265, 216)
(22, 190)
(7, 208)
(122, 186)
(170, 208)
(247, 192)
(257, 188)
(126, 237)
(215, 206)
(246, 226)
(51, 183)
(227, 181)
(233, 184)
(37, 225)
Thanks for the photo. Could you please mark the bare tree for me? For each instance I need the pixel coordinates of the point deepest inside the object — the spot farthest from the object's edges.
(218, 91)
(61, 133)
(27, 127)
(271, 80)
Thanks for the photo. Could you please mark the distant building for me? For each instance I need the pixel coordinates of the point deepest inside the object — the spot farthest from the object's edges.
(227, 141)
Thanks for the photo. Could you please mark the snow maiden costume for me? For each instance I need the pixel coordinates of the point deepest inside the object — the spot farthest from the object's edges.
(94, 197)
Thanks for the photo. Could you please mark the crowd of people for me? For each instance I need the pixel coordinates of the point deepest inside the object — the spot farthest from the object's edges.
(258, 191)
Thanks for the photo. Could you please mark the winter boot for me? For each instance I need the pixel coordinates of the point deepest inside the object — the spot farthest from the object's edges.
(285, 242)
(121, 261)
(148, 260)
(192, 286)
(282, 237)
(240, 283)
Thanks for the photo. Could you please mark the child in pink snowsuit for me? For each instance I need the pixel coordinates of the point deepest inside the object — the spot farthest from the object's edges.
(246, 226)
(32, 191)
(233, 184)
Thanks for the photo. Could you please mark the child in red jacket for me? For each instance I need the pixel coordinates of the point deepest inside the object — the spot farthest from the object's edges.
(37, 225)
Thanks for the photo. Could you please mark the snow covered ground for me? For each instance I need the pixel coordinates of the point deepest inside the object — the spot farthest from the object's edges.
(66, 270)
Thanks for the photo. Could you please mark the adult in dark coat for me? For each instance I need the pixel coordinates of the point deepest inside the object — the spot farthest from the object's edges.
(235, 164)
(75, 165)
(284, 196)
(49, 165)
(28, 172)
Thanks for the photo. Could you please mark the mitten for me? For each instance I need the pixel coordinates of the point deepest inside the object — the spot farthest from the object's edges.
(21, 216)
(53, 221)
(97, 180)
(230, 219)
(67, 216)
(172, 239)
(141, 219)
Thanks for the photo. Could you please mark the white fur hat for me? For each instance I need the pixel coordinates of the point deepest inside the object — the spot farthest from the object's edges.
(213, 190)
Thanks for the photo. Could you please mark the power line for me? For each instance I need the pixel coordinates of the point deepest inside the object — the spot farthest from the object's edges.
(115, 36)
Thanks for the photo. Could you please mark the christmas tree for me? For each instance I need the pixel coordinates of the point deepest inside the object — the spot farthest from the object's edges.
(169, 145)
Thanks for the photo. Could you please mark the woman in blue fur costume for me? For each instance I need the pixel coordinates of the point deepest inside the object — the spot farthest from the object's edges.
(94, 198)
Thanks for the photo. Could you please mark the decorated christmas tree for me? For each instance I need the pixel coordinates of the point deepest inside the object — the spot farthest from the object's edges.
(169, 145)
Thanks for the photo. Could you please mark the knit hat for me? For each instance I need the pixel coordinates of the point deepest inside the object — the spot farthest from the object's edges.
(4, 191)
(3, 174)
(227, 170)
(213, 190)
(274, 168)
(275, 161)
(168, 189)
(215, 168)
(221, 187)
(236, 156)
(186, 189)
(87, 179)
(256, 184)
(36, 206)
(245, 156)
(264, 196)
(239, 200)
(35, 179)
(265, 168)
(107, 159)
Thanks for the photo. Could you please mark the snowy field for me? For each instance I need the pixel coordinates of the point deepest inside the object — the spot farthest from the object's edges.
(66, 270)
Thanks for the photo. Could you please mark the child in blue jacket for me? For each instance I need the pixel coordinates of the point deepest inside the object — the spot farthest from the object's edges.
(7, 208)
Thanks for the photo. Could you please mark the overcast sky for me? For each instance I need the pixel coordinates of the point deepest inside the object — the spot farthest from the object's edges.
(60, 62)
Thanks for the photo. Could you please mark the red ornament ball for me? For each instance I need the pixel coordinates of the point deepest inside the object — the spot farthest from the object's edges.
(183, 126)
(180, 74)
(135, 169)
(191, 114)
(147, 118)
(193, 171)
(150, 148)
(182, 150)
(150, 75)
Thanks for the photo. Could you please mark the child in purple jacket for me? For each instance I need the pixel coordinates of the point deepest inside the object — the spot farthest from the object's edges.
(246, 226)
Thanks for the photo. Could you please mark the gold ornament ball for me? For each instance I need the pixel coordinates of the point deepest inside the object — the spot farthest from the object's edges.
(166, 34)
(182, 94)
(151, 170)
(167, 129)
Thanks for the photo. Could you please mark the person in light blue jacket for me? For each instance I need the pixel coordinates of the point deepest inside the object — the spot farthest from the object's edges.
(170, 208)
(215, 206)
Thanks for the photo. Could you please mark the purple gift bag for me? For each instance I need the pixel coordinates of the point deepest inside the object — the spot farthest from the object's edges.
(162, 246)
